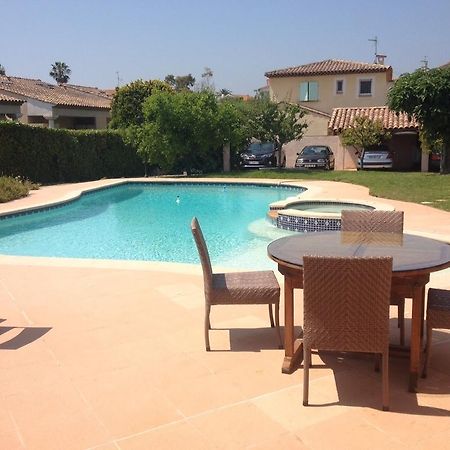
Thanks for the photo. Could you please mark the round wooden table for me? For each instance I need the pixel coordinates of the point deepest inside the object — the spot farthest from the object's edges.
(414, 258)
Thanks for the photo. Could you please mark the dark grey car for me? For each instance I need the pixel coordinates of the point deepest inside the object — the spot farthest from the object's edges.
(315, 156)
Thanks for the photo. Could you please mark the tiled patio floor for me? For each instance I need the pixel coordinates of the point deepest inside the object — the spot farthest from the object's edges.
(110, 355)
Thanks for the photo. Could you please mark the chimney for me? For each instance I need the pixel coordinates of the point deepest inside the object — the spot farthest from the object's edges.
(380, 59)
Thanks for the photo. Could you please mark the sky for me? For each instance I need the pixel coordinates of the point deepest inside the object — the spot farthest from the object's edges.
(106, 43)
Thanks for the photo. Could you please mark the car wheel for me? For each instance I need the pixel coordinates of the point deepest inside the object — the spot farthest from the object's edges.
(327, 166)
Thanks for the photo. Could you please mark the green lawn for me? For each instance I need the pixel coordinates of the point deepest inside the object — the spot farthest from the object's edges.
(428, 188)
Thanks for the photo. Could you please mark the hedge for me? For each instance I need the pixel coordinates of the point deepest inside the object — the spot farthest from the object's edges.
(57, 155)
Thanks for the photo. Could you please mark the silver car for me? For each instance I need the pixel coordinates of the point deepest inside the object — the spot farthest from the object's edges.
(376, 158)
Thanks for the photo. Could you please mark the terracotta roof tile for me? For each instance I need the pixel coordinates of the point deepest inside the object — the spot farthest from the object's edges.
(342, 118)
(328, 67)
(60, 95)
(9, 99)
(107, 93)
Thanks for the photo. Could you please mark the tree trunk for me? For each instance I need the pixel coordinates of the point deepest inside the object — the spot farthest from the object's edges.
(445, 158)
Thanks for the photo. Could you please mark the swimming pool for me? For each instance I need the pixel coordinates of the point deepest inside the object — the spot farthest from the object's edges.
(150, 221)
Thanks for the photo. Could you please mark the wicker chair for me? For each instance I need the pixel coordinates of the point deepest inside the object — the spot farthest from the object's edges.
(237, 288)
(382, 222)
(438, 316)
(346, 308)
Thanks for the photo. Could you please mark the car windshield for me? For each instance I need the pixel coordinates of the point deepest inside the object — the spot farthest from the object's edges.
(258, 148)
(320, 151)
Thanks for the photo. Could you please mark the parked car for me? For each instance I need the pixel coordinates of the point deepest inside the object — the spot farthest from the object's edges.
(259, 154)
(379, 157)
(315, 156)
(434, 163)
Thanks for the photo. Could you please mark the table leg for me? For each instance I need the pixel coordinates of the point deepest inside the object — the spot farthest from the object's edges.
(416, 335)
(293, 349)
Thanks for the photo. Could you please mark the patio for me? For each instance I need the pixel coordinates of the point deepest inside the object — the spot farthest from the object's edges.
(110, 355)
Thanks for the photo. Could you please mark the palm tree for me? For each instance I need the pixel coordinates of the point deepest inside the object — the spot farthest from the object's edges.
(60, 72)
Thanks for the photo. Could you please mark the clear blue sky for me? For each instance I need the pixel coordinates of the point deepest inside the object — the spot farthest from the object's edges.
(238, 39)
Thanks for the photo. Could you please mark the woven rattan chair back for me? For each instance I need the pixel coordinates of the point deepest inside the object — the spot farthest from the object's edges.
(438, 316)
(346, 308)
(204, 256)
(379, 221)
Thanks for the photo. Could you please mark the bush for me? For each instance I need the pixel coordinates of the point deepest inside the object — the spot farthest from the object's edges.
(13, 188)
(56, 155)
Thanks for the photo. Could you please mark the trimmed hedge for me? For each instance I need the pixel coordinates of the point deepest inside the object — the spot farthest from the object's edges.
(57, 155)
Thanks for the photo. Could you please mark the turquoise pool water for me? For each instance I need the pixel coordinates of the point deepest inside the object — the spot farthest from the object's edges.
(151, 222)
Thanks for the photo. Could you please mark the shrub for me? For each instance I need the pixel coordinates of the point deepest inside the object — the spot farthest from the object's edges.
(56, 155)
(13, 188)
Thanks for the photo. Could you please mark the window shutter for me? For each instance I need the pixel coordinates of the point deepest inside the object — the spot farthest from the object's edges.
(313, 91)
(303, 92)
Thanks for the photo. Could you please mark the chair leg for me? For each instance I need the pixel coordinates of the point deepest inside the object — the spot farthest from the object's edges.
(385, 377)
(306, 364)
(401, 321)
(277, 324)
(271, 315)
(427, 351)
(207, 326)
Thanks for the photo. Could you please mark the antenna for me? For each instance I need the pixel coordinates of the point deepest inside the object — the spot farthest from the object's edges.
(375, 41)
(424, 62)
(118, 78)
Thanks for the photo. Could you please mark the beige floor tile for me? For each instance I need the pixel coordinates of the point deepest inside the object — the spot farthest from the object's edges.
(237, 427)
(126, 402)
(285, 407)
(283, 441)
(347, 432)
(176, 436)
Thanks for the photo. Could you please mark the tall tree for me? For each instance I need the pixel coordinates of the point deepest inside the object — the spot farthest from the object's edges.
(207, 83)
(279, 123)
(181, 82)
(126, 106)
(424, 95)
(364, 133)
(60, 72)
(181, 131)
(2, 70)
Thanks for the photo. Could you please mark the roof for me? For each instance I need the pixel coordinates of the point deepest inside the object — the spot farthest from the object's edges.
(60, 95)
(342, 118)
(107, 93)
(9, 99)
(315, 111)
(328, 67)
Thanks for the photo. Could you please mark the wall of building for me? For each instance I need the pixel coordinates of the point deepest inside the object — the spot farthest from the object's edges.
(287, 89)
(317, 125)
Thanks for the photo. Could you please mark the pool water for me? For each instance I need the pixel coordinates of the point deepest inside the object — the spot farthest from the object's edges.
(140, 221)
(335, 207)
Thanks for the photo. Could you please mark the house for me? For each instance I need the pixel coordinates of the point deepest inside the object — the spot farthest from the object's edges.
(322, 86)
(332, 93)
(58, 106)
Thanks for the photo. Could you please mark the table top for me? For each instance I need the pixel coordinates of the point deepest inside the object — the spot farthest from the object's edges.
(409, 252)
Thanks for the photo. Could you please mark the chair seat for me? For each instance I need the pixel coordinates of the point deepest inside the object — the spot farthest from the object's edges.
(259, 287)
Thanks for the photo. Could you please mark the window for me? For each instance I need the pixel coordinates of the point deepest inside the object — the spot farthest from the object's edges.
(309, 91)
(339, 86)
(365, 87)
